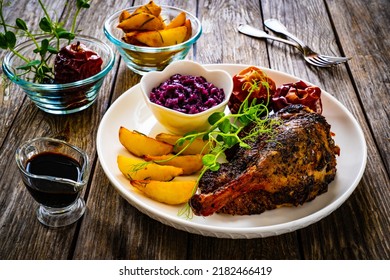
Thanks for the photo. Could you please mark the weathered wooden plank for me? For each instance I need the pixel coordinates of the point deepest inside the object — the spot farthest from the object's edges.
(125, 232)
(220, 20)
(362, 28)
(310, 21)
(11, 97)
(21, 235)
(113, 229)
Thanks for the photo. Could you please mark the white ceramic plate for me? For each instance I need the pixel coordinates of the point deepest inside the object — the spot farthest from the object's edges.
(130, 111)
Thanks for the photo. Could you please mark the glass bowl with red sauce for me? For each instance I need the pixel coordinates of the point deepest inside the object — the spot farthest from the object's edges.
(59, 98)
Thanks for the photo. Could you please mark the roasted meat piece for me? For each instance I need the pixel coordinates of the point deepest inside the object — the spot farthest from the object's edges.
(292, 167)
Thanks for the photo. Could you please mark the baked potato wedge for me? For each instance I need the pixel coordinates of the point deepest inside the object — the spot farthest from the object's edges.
(190, 164)
(173, 192)
(179, 20)
(151, 28)
(129, 37)
(138, 169)
(141, 21)
(150, 8)
(124, 15)
(140, 145)
(189, 29)
(162, 38)
(199, 146)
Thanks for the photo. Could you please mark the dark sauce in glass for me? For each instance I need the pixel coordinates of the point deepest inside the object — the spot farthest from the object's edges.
(48, 192)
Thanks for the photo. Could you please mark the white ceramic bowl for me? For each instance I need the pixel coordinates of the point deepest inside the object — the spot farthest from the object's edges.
(178, 122)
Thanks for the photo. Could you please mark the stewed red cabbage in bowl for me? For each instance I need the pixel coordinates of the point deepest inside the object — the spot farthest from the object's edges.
(185, 94)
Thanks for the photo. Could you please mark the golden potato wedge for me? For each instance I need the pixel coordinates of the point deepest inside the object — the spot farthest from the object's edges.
(130, 39)
(138, 169)
(141, 145)
(173, 192)
(179, 20)
(189, 29)
(199, 146)
(141, 21)
(150, 8)
(124, 15)
(189, 163)
(162, 38)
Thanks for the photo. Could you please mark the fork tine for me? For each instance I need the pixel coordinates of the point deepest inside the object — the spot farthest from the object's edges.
(319, 58)
(314, 61)
(335, 58)
(325, 61)
(330, 61)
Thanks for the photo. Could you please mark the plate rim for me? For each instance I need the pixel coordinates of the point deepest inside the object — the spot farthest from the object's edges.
(229, 232)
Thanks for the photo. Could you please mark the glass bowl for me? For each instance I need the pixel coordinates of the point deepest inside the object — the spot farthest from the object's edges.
(142, 59)
(59, 98)
(177, 122)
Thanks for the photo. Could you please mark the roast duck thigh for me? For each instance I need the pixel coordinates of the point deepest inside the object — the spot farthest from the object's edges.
(290, 168)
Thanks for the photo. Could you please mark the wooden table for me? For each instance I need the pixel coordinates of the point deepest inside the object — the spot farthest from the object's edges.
(113, 229)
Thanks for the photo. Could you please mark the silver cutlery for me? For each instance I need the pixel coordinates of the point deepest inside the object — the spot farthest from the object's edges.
(254, 32)
(309, 55)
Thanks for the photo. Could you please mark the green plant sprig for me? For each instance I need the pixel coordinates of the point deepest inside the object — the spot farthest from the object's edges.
(225, 130)
(45, 48)
(224, 133)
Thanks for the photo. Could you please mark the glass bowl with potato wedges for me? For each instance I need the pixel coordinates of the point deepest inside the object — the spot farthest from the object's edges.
(150, 37)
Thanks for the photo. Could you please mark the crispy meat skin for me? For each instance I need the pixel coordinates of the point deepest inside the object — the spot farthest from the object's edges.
(293, 168)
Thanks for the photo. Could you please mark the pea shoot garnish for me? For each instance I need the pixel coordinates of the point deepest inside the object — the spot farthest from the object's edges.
(225, 130)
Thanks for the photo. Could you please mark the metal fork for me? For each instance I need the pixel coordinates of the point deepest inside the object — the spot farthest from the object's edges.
(309, 55)
(252, 31)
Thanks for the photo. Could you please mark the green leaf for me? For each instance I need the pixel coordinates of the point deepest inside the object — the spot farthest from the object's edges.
(208, 159)
(11, 39)
(245, 145)
(82, 4)
(59, 30)
(230, 141)
(220, 138)
(3, 41)
(244, 120)
(21, 24)
(225, 126)
(180, 142)
(45, 25)
(52, 50)
(28, 65)
(66, 35)
(215, 166)
(215, 117)
(44, 46)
